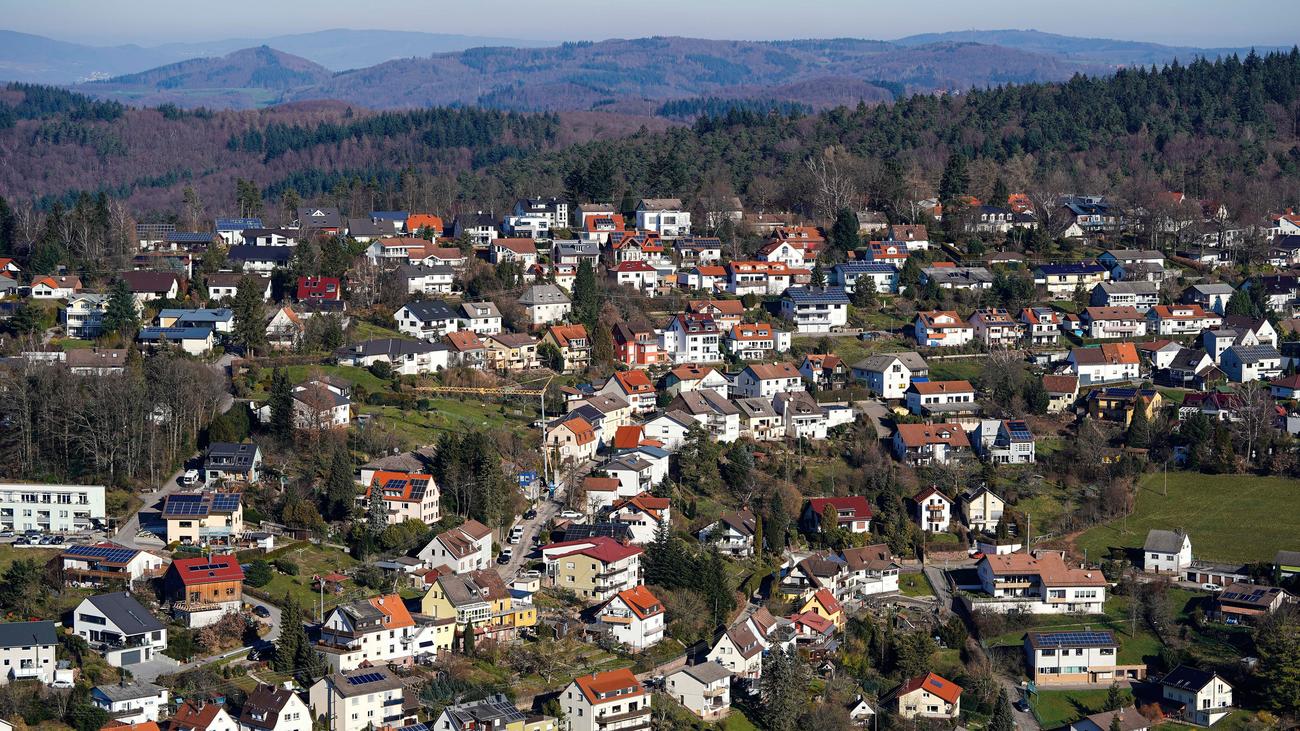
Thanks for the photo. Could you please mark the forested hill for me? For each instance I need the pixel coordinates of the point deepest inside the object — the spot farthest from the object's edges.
(1224, 129)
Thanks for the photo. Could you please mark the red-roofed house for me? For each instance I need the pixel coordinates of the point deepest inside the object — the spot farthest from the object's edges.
(406, 496)
(418, 221)
(520, 251)
(824, 604)
(853, 513)
(200, 716)
(634, 387)
(927, 696)
(203, 589)
(645, 513)
(593, 568)
(375, 631)
(811, 628)
(606, 702)
(925, 443)
(634, 617)
(572, 439)
(933, 510)
(635, 274)
(573, 343)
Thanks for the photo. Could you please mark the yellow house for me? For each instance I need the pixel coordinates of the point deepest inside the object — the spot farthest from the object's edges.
(824, 604)
(479, 599)
(203, 518)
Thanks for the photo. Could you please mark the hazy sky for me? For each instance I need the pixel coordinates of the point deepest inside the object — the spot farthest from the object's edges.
(150, 22)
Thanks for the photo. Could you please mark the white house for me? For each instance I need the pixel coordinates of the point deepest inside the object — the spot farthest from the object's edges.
(273, 708)
(816, 310)
(982, 509)
(933, 510)
(1005, 441)
(766, 380)
(606, 701)
(936, 398)
(888, 375)
(1244, 363)
(133, 702)
(645, 514)
(426, 319)
(732, 533)
(1180, 319)
(27, 651)
(1206, 698)
(1087, 657)
(365, 698)
(483, 318)
(692, 339)
(664, 216)
(545, 303)
(122, 630)
(1166, 552)
(1106, 363)
(421, 279)
(633, 617)
(1039, 584)
(927, 696)
(941, 329)
(465, 548)
(374, 631)
(406, 357)
(1114, 322)
(703, 689)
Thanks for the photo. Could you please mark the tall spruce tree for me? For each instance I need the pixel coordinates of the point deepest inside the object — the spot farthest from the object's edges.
(340, 489)
(586, 296)
(844, 232)
(1002, 719)
(281, 402)
(249, 328)
(955, 180)
(292, 636)
(121, 315)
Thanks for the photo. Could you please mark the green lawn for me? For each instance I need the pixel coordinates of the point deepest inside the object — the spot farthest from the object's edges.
(299, 373)
(736, 721)
(1229, 517)
(914, 585)
(422, 427)
(956, 369)
(363, 330)
(1057, 708)
(313, 560)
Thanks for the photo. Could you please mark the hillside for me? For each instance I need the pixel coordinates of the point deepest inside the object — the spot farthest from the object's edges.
(643, 71)
(1093, 50)
(253, 73)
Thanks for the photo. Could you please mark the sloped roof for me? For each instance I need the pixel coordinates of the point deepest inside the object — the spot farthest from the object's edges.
(931, 683)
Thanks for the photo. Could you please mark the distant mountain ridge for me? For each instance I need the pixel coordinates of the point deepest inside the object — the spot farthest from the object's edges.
(1097, 50)
(258, 68)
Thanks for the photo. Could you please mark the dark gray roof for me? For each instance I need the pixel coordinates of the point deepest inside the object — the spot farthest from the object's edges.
(26, 634)
(277, 254)
(543, 294)
(383, 679)
(707, 672)
(1163, 541)
(493, 712)
(387, 346)
(1187, 678)
(128, 692)
(1254, 353)
(816, 296)
(124, 611)
(430, 310)
(1287, 558)
(411, 271)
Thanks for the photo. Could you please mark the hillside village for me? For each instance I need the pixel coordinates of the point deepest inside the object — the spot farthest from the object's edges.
(662, 463)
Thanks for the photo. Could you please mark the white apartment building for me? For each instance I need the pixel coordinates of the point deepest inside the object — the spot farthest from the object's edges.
(360, 699)
(50, 508)
(27, 651)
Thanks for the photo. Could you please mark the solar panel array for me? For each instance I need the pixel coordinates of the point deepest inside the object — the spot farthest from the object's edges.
(107, 555)
(185, 504)
(1251, 596)
(225, 501)
(1019, 431)
(365, 678)
(418, 488)
(1076, 639)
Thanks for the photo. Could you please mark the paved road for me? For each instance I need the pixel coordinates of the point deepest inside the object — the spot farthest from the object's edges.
(935, 576)
(546, 509)
(877, 415)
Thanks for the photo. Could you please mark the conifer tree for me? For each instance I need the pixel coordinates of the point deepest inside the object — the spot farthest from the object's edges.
(1003, 719)
(121, 315)
(281, 401)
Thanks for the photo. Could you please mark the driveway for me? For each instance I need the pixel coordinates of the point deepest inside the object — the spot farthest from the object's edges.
(877, 415)
(546, 510)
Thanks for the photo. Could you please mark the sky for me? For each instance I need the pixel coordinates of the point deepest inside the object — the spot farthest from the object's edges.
(1205, 23)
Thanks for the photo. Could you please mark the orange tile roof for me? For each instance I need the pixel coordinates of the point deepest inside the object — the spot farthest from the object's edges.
(929, 388)
(1049, 567)
(194, 716)
(724, 307)
(634, 382)
(643, 603)
(606, 687)
(917, 435)
(518, 246)
(463, 340)
(768, 371)
(562, 334)
(827, 600)
(627, 437)
(600, 484)
(933, 684)
(400, 486)
(394, 610)
(417, 221)
(646, 503)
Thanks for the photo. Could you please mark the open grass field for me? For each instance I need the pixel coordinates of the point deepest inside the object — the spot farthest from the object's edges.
(422, 427)
(364, 330)
(914, 585)
(1057, 708)
(1229, 517)
(956, 369)
(314, 560)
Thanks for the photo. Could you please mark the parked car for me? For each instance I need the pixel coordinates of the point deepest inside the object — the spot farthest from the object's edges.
(261, 611)
(506, 555)
(529, 514)
(571, 515)
(1211, 587)
(189, 477)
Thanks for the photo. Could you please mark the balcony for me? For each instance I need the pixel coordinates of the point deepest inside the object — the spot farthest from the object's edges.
(23, 673)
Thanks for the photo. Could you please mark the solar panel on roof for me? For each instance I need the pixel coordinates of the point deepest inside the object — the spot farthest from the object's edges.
(366, 678)
(1075, 639)
(225, 501)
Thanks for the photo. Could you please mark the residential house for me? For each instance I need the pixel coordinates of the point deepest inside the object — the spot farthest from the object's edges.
(698, 249)
(822, 603)
(426, 319)
(424, 279)
(274, 708)
(645, 514)
(741, 647)
(406, 496)
(727, 313)
(816, 310)
(804, 418)
(850, 274)
(479, 602)
(571, 439)
(200, 715)
(870, 570)
(1061, 280)
(936, 398)
(1114, 322)
(96, 361)
(692, 339)
(826, 371)
(1119, 404)
(606, 701)
(663, 216)
(131, 702)
(1105, 363)
(405, 357)
(197, 341)
(593, 569)
(84, 315)
(1042, 325)
(1005, 441)
(151, 286)
(511, 352)
(669, 429)
(852, 513)
(921, 444)
(231, 461)
(576, 252)
(106, 563)
(1062, 392)
(732, 533)
(888, 375)
(26, 506)
(892, 253)
(1241, 603)
(1041, 583)
(693, 377)
(119, 628)
(1166, 552)
(933, 510)
(639, 470)
(363, 698)
(1252, 331)
(1076, 658)
(957, 277)
(219, 319)
(995, 327)
(285, 329)
(203, 590)
(459, 550)
(27, 651)
(926, 696)
(368, 632)
(203, 518)
(766, 380)
(981, 509)
(634, 387)
(495, 712)
(782, 250)
(545, 303)
(1141, 296)
(704, 690)
(759, 420)
(1180, 319)
(1124, 719)
(638, 275)
(761, 278)
(637, 346)
(1212, 296)
(756, 341)
(1189, 369)
(481, 318)
(1244, 363)
(55, 287)
(1205, 697)
(633, 617)
(1158, 354)
(573, 344)
(319, 289)
(941, 329)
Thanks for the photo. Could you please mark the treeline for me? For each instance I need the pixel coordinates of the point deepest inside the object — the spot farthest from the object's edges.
(39, 102)
(437, 128)
(115, 429)
(715, 107)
